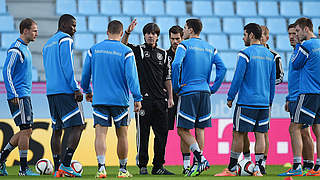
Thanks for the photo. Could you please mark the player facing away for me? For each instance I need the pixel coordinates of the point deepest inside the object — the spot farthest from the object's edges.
(191, 72)
(176, 36)
(291, 104)
(63, 93)
(254, 82)
(156, 88)
(17, 76)
(279, 79)
(307, 113)
(113, 70)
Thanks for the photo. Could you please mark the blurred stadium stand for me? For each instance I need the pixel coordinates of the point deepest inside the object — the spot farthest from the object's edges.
(223, 22)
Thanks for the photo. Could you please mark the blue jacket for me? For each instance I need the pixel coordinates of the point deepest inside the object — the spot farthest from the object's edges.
(255, 77)
(113, 69)
(307, 60)
(17, 70)
(58, 64)
(293, 81)
(192, 66)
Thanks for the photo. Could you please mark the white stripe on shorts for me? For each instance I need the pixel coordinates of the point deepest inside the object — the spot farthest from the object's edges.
(297, 113)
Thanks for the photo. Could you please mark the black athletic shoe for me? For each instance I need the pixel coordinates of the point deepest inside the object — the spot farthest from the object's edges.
(161, 171)
(143, 171)
(186, 170)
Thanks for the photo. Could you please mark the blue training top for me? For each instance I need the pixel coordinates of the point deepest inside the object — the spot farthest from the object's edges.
(192, 66)
(17, 70)
(58, 64)
(293, 81)
(113, 69)
(255, 77)
(307, 60)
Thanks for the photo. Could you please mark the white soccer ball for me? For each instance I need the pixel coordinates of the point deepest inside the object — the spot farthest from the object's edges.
(245, 168)
(76, 166)
(44, 167)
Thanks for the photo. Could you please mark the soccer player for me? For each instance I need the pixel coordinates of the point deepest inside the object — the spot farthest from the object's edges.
(155, 85)
(279, 79)
(307, 61)
(291, 104)
(17, 76)
(191, 72)
(63, 93)
(254, 79)
(113, 69)
(176, 36)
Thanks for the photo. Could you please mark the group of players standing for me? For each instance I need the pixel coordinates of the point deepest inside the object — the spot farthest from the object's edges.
(177, 79)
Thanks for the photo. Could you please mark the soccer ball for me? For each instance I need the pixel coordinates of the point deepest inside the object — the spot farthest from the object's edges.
(44, 167)
(245, 168)
(76, 166)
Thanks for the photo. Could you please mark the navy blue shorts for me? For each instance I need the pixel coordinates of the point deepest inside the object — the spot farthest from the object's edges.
(251, 119)
(65, 111)
(103, 115)
(22, 112)
(308, 110)
(194, 111)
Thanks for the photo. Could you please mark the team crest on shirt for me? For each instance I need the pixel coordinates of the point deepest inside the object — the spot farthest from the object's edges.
(159, 56)
(142, 112)
(147, 54)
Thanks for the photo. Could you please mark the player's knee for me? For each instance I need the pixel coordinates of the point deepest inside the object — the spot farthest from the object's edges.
(26, 132)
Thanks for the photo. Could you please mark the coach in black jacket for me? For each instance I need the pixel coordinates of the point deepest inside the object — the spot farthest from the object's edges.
(155, 82)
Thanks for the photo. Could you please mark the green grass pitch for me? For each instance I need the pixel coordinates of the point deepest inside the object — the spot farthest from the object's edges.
(90, 171)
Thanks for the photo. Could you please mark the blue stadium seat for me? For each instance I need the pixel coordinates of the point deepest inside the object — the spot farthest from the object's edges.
(292, 20)
(83, 41)
(310, 8)
(1, 77)
(63, 7)
(88, 7)
(6, 23)
(219, 41)
(3, 56)
(288, 59)
(176, 8)
(223, 8)
(165, 23)
(3, 8)
(229, 75)
(271, 41)
(8, 38)
(182, 20)
(232, 25)
(110, 7)
(166, 41)
(132, 7)
(268, 8)
(202, 8)
(229, 59)
(135, 38)
(258, 20)
(285, 77)
(101, 37)
(290, 8)
(35, 76)
(316, 24)
(236, 42)
(150, 9)
(283, 43)
(98, 23)
(246, 8)
(211, 25)
(125, 20)
(277, 25)
(81, 23)
(142, 21)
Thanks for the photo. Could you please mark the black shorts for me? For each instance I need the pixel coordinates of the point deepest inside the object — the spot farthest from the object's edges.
(22, 112)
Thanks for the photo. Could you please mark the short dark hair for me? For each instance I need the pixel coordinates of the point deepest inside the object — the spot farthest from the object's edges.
(291, 26)
(255, 29)
(115, 27)
(151, 28)
(318, 27)
(65, 19)
(175, 30)
(26, 24)
(195, 24)
(304, 22)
